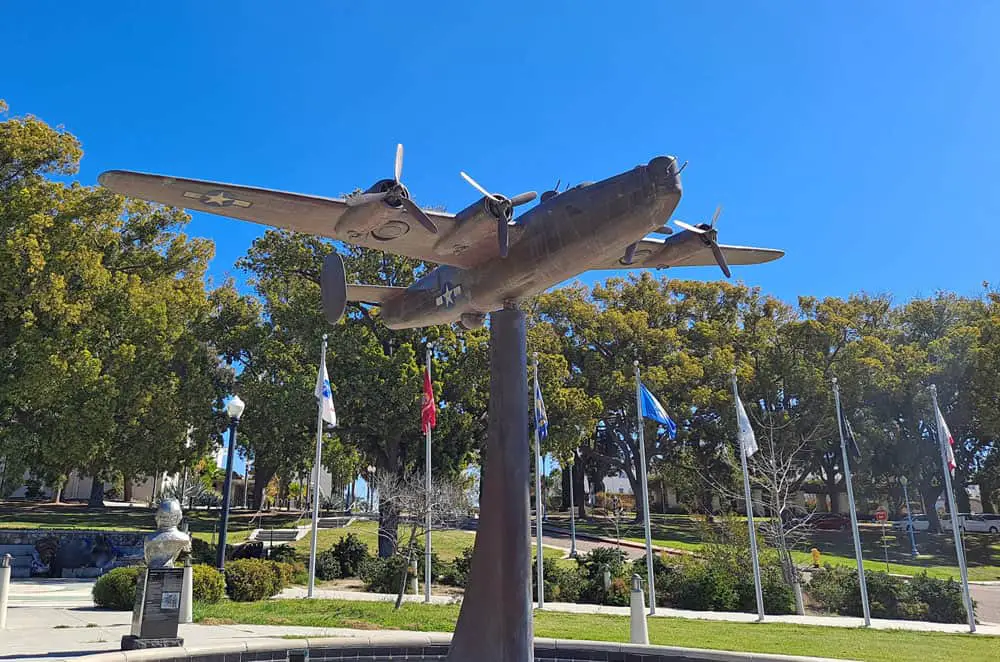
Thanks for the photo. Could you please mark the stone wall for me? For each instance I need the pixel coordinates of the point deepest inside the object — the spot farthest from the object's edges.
(71, 552)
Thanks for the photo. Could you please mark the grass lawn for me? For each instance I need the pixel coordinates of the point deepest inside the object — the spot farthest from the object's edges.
(202, 523)
(855, 644)
(446, 543)
(937, 555)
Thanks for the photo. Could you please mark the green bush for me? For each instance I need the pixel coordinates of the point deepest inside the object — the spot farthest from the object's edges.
(350, 553)
(561, 584)
(202, 553)
(328, 565)
(207, 583)
(592, 567)
(283, 554)
(456, 573)
(922, 598)
(283, 573)
(115, 589)
(384, 575)
(248, 580)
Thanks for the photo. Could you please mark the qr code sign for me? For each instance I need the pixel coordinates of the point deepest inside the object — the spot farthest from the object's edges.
(170, 601)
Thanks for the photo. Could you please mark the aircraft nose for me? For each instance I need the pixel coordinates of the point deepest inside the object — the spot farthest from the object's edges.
(665, 174)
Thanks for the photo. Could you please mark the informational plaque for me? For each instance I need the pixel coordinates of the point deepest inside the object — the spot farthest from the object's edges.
(157, 609)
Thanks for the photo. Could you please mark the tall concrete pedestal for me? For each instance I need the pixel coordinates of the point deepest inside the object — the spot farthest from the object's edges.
(495, 623)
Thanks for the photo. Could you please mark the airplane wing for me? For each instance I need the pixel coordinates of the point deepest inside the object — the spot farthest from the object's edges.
(373, 294)
(647, 257)
(397, 232)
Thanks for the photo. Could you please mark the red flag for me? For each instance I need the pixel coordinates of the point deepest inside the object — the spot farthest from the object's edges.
(428, 410)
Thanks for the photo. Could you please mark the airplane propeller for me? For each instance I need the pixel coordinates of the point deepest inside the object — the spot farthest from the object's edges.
(397, 191)
(709, 235)
(502, 210)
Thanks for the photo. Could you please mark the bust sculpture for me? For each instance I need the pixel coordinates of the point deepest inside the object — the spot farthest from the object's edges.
(161, 548)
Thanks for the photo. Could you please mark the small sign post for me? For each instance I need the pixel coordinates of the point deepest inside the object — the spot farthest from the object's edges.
(881, 515)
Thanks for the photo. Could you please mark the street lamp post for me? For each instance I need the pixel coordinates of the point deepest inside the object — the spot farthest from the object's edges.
(234, 409)
(909, 519)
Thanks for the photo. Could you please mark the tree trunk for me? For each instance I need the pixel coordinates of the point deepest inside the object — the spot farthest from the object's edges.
(262, 476)
(57, 497)
(96, 493)
(388, 529)
(565, 487)
(127, 490)
(961, 496)
(406, 568)
(930, 494)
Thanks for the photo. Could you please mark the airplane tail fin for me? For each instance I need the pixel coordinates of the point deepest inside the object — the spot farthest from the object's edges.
(336, 292)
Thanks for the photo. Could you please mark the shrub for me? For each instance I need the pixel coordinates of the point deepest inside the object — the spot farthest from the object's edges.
(207, 583)
(283, 554)
(384, 575)
(115, 589)
(942, 597)
(922, 598)
(561, 584)
(328, 565)
(592, 567)
(283, 573)
(456, 573)
(350, 553)
(248, 580)
(202, 552)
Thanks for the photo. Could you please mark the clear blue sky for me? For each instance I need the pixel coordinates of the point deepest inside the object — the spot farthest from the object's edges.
(860, 137)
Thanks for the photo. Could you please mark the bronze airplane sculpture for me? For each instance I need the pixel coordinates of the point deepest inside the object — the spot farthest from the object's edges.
(487, 256)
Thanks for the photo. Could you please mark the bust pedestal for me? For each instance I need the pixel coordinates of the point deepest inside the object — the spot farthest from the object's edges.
(157, 610)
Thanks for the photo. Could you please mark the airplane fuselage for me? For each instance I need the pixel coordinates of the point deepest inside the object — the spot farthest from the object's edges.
(550, 243)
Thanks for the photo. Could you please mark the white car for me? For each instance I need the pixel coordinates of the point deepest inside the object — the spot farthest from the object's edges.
(920, 523)
(984, 523)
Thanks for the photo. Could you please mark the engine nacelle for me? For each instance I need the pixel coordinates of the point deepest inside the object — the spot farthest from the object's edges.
(471, 321)
(473, 225)
(384, 185)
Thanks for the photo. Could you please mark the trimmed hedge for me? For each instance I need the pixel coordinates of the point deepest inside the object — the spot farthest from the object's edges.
(249, 580)
(207, 583)
(115, 589)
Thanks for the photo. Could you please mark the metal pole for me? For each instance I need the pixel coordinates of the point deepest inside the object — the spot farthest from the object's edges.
(572, 516)
(317, 461)
(862, 581)
(5, 564)
(427, 503)
(909, 520)
(645, 492)
(220, 556)
(955, 523)
(540, 570)
(749, 503)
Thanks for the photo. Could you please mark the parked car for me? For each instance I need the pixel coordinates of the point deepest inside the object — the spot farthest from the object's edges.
(829, 521)
(920, 523)
(984, 523)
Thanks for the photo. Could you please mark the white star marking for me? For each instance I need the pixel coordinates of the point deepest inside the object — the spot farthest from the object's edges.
(447, 297)
(219, 198)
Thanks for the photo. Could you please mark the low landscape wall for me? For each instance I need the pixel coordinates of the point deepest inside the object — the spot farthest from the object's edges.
(69, 552)
(429, 648)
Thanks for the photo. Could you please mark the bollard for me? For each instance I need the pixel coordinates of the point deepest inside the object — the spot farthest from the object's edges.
(187, 593)
(638, 633)
(4, 588)
(416, 582)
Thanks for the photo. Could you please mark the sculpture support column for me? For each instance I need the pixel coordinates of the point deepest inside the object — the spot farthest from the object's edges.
(495, 623)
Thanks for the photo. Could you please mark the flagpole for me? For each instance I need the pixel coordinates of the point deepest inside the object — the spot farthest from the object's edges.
(645, 491)
(749, 505)
(572, 513)
(427, 496)
(862, 580)
(316, 464)
(540, 569)
(953, 509)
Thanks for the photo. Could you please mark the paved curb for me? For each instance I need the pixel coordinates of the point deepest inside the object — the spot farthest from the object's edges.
(400, 640)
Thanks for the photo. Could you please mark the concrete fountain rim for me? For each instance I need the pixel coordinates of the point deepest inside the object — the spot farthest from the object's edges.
(424, 639)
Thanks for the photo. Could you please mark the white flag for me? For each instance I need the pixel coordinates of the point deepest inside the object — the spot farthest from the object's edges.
(325, 396)
(748, 442)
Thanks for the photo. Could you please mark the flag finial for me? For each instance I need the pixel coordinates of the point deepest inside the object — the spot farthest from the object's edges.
(834, 380)
(324, 337)
(933, 389)
(636, 363)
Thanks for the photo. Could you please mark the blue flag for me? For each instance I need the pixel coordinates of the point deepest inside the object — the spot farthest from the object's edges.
(541, 420)
(651, 408)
